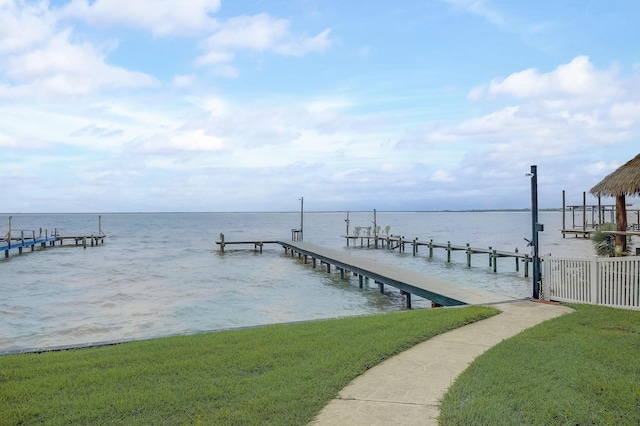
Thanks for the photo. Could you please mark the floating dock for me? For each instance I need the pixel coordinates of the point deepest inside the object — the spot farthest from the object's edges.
(438, 291)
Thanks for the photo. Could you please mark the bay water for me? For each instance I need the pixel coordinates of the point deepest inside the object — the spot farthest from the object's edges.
(161, 274)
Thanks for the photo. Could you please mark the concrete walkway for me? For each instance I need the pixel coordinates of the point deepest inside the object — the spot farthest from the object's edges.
(407, 388)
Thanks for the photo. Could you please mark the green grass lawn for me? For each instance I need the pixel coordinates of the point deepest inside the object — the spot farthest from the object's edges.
(280, 374)
(579, 369)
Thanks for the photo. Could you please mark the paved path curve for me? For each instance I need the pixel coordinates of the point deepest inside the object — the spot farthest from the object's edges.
(407, 388)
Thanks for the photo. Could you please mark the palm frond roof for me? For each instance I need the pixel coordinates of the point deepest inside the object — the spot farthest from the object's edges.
(625, 180)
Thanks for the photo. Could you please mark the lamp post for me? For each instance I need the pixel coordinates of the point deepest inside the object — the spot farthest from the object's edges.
(301, 218)
(535, 228)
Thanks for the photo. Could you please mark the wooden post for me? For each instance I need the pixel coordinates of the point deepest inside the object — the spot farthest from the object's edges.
(381, 287)
(33, 246)
(431, 248)
(517, 263)
(222, 243)
(328, 268)
(564, 227)
(22, 240)
(468, 256)
(490, 259)
(84, 242)
(584, 210)
(495, 261)
(8, 238)
(314, 262)
(621, 225)
(341, 273)
(448, 251)
(360, 280)
(526, 265)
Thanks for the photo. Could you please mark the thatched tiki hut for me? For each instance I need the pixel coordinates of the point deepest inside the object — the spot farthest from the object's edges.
(622, 182)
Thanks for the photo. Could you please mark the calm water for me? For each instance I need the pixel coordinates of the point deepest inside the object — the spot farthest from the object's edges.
(161, 274)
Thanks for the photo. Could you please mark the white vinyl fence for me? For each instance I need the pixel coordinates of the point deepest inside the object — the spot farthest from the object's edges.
(609, 281)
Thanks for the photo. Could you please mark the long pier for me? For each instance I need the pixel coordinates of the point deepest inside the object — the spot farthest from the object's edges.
(438, 291)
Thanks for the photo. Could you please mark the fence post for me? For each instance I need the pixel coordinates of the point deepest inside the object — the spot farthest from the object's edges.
(594, 280)
(546, 277)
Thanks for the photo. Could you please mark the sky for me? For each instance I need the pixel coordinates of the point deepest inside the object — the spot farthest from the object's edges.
(249, 105)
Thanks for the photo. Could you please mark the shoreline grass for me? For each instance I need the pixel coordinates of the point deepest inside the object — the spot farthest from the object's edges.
(581, 368)
(278, 374)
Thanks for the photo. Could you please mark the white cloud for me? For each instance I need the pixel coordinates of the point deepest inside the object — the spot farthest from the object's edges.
(441, 176)
(160, 17)
(257, 33)
(480, 8)
(48, 64)
(23, 24)
(577, 79)
(7, 141)
(182, 81)
(192, 140)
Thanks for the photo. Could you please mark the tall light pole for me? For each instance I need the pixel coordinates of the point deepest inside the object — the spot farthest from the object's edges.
(535, 228)
(301, 218)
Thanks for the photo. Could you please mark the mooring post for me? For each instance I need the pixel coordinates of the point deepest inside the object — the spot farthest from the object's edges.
(448, 251)
(431, 248)
(517, 263)
(526, 265)
(222, 242)
(495, 261)
(490, 259)
(468, 256)
(84, 241)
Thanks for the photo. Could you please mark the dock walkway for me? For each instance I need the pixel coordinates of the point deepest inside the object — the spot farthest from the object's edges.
(7, 244)
(439, 291)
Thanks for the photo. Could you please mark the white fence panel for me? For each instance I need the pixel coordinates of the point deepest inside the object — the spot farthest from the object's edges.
(603, 281)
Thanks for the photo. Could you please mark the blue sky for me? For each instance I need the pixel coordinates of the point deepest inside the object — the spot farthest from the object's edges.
(214, 105)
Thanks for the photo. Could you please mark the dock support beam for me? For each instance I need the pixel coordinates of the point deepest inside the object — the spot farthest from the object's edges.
(408, 295)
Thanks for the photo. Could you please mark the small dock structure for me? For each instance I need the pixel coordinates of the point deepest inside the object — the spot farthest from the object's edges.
(257, 244)
(591, 216)
(21, 240)
(439, 292)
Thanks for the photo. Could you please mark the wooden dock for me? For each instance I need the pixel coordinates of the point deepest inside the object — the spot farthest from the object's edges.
(438, 291)
(30, 240)
(7, 244)
(392, 242)
(257, 244)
